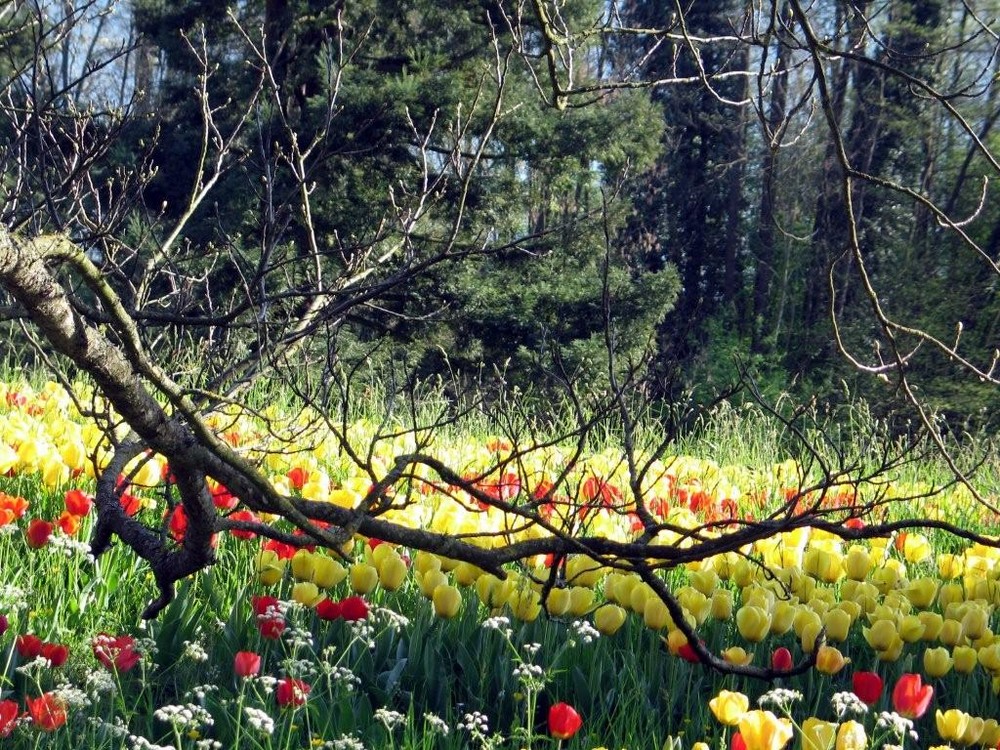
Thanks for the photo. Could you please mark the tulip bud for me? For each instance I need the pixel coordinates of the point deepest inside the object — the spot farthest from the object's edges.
(447, 601)
(937, 662)
(829, 660)
(609, 619)
(364, 578)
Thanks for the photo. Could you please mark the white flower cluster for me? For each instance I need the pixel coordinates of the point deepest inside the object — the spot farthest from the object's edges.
(116, 728)
(99, 682)
(208, 744)
(12, 597)
(363, 631)
(194, 651)
(72, 697)
(259, 720)
(500, 624)
(391, 719)
(585, 632)
(199, 692)
(188, 716)
(70, 547)
(436, 724)
(344, 676)
(298, 638)
(847, 702)
(138, 742)
(345, 742)
(267, 682)
(38, 664)
(780, 698)
(300, 668)
(531, 675)
(531, 649)
(898, 725)
(475, 722)
(392, 619)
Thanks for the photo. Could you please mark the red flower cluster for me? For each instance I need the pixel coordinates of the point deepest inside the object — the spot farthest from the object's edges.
(31, 646)
(270, 620)
(117, 653)
(351, 609)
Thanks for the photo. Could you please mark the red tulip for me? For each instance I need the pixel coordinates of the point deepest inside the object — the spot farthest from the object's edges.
(353, 608)
(738, 743)
(28, 646)
(564, 721)
(781, 659)
(290, 692)
(867, 686)
(244, 515)
(3, 624)
(329, 610)
(116, 652)
(246, 663)
(69, 523)
(38, 532)
(47, 712)
(261, 604)
(56, 653)
(9, 711)
(911, 697)
(271, 626)
(78, 502)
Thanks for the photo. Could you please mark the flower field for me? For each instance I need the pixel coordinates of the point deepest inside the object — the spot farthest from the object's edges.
(283, 647)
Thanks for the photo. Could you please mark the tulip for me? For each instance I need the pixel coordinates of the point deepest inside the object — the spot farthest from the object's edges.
(9, 711)
(910, 697)
(431, 580)
(270, 567)
(117, 653)
(557, 602)
(851, 736)
(951, 724)
(818, 734)
(990, 736)
(609, 619)
(722, 604)
(762, 730)
(974, 623)
(838, 624)
(291, 692)
(965, 659)
(327, 572)
(753, 623)
(3, 625)
(364, 578)
(246, 663)
(564, 721)
(951, 633)
(782, 617)
(581, 600)
(933, 623)
(55, 653)
(47, 712)
(656, 615)
(781, 659)
(78, 503)
(867, 686)
(306, 593)
(465, 573)
(37, 534)
(974, 731)
(922, 591)
(447, 601)
(829, 660)
(354, 608)
(937, 662)
(525, 605)
(737, 655)
(729, 707)
(302, 565)
(881, 635)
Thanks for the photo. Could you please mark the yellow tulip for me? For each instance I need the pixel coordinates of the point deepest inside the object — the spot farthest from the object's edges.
(933, 622)
(950, 566)
(951, 724)
(392, 571)
(302, 565)
(974, 623)
(851, 736)
(609, 619)
(429, 581)
(705, 581)
(917, 548)
(737, 655)
(937, 662)
(493, 592)
(991, 733)
(270, 568)
(447, 601)
(722, 604)
(557, 602)
(818, 734)
(989, 657)
(838, 624)
(762, 730)
(525, 604)
(729, 707)
(327, 572)
(857, 563)
(364, 578)
(782, 617)
(467, 573)
(426, 561)
(951, 633)
(911, 629)
(881, 635)
(974, 731)
(809, 635)
(829, 660)
(581, 600)
(950, 592)
(922, 591)
(306, 593)
(753, 623)
(656, 615)
(965, 659)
